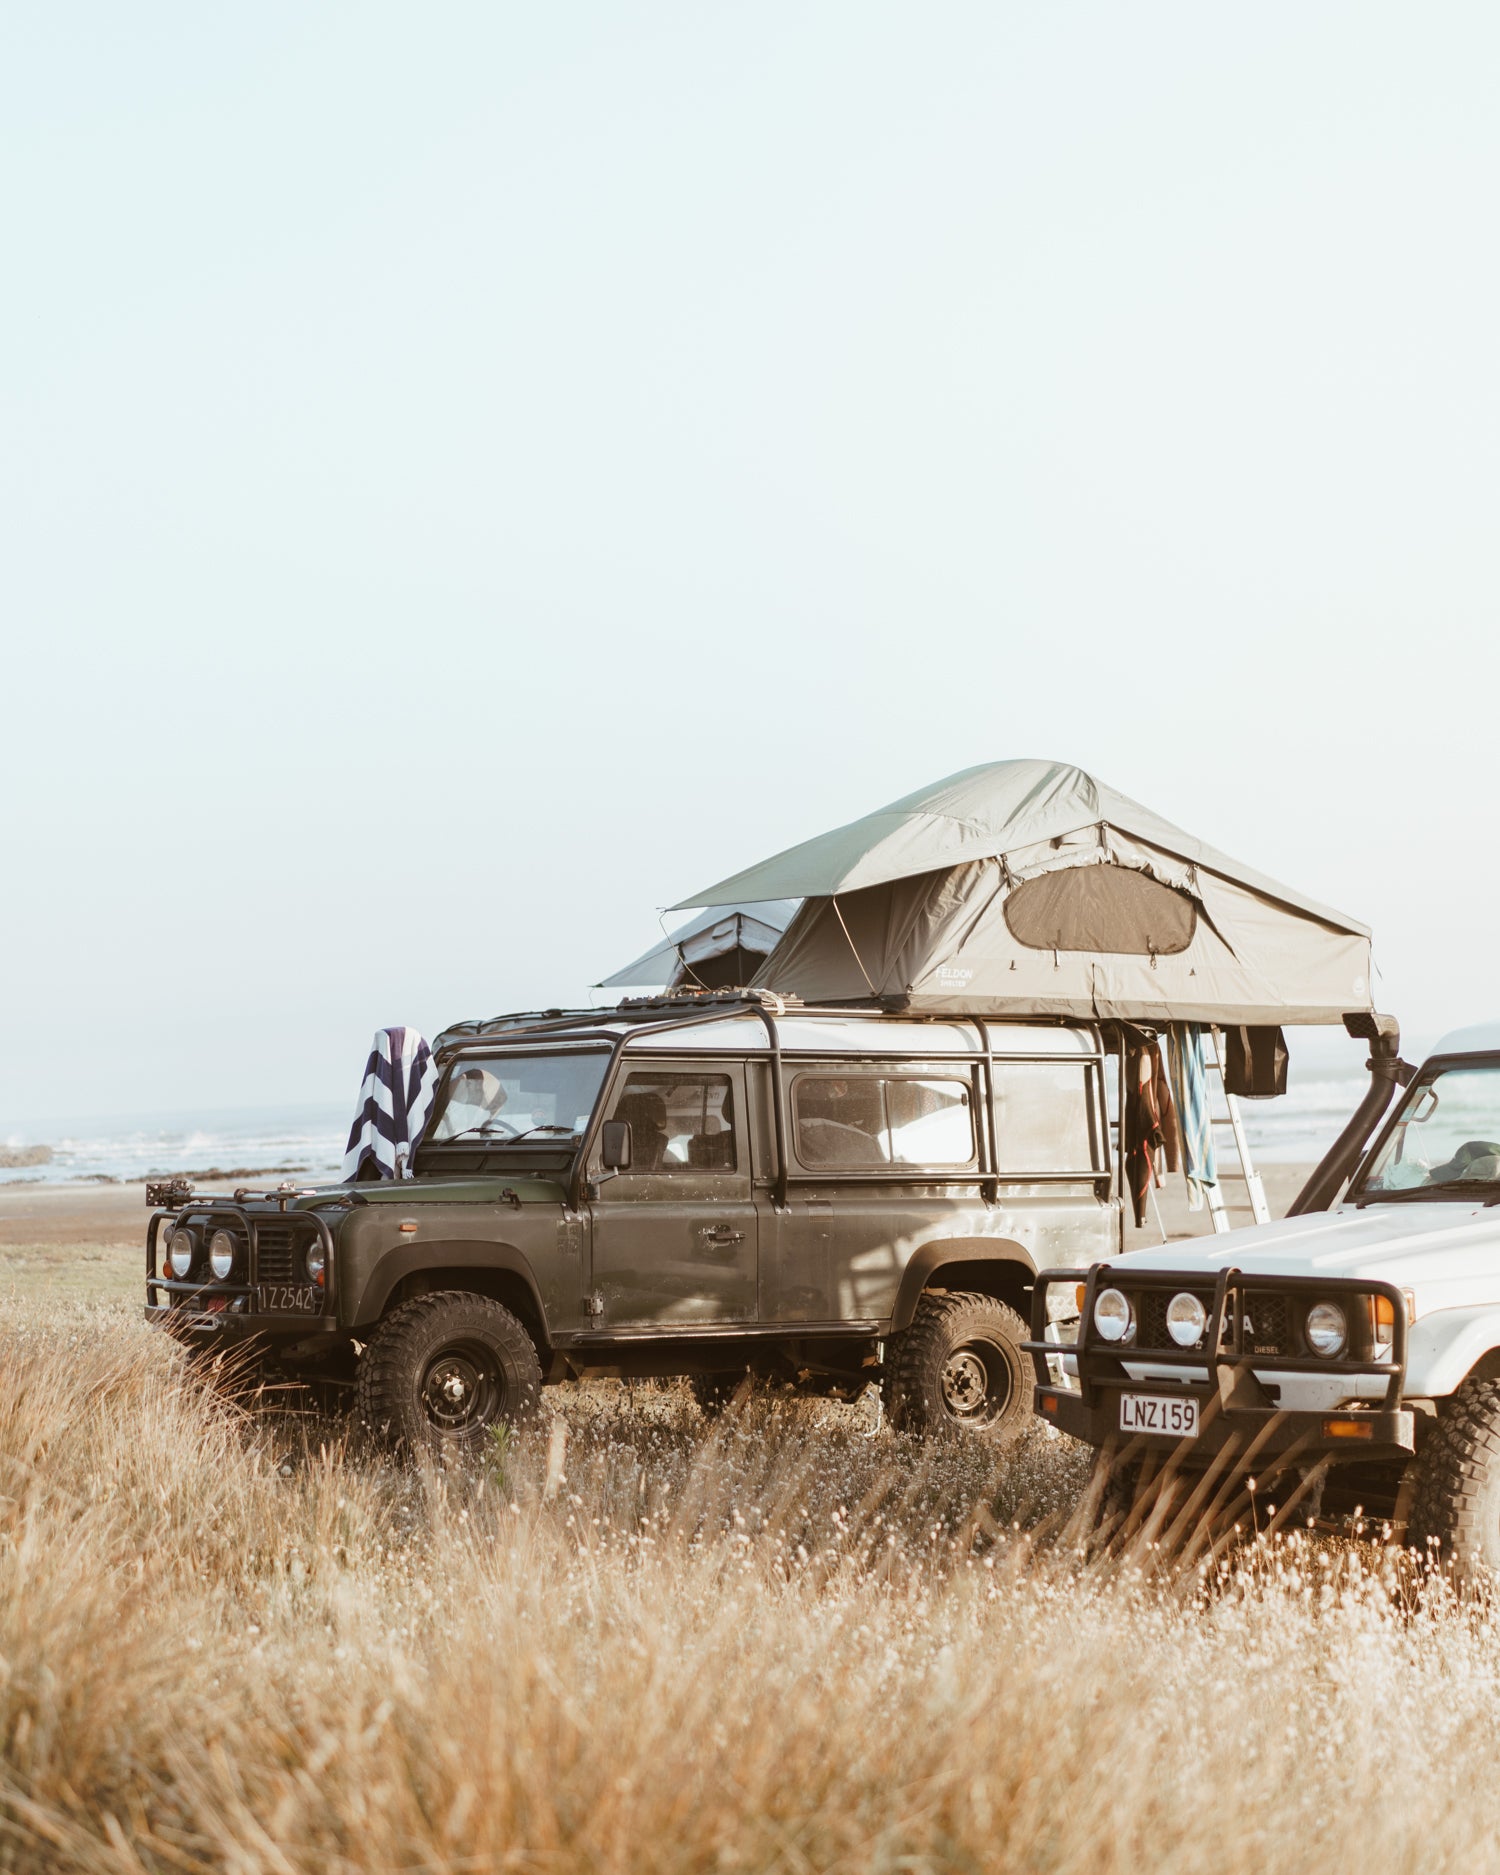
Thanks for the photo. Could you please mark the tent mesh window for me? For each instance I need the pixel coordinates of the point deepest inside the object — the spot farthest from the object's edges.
(1101, 908)
(730, 971)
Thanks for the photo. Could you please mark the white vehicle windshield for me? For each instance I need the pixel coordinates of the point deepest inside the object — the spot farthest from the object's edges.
(1446, 1140)
(501, 1097)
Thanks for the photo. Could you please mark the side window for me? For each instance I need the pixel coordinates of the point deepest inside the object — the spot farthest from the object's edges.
(932, 1122)
(1044, 1117)
(840, 1121)
(678, 1122)
(861, 1121)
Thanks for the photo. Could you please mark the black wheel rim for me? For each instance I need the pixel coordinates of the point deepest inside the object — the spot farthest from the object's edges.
(461, 1388)
(975, 1384)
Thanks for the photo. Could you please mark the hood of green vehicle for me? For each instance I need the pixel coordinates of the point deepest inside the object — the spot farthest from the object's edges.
(414, 1191)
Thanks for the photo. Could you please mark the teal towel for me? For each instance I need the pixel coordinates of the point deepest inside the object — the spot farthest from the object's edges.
(1187, 1066)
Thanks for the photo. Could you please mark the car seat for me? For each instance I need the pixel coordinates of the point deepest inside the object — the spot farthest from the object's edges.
(646, 1113)
(711, 1152)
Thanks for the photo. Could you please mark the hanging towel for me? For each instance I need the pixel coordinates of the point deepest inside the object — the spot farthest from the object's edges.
(1186, 1059)
(394, 1102)
(1150, 1123)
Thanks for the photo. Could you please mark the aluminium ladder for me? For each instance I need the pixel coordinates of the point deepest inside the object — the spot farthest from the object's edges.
(1234, 1120)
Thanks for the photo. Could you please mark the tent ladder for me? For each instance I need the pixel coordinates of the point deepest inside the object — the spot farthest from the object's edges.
(1247, 1174)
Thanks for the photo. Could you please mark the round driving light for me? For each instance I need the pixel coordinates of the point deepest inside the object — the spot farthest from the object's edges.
(221, 1254)
(1113, 1316)
(1186, 1319)
(316, 1262)
(1327, 1329)
(180, 1248)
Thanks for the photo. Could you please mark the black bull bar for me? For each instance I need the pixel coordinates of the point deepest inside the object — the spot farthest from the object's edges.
(241, 1295)
(1235, 1407)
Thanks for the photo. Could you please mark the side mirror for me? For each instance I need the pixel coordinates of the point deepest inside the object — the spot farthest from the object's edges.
(615, 1145)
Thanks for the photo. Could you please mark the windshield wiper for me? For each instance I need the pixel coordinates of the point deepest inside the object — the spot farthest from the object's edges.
(468, 1132)
(1460, 1187)
(1470, 1185)
(503, 1139)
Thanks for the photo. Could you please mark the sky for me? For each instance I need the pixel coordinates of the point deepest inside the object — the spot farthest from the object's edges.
(474, 474)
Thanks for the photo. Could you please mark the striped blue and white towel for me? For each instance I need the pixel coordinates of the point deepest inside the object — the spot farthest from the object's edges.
(1187, 1066)
(394, 1104)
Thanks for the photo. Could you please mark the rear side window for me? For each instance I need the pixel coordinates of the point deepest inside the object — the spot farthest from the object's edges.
(678, 1122)
(860, 1121)
(1045, 1117)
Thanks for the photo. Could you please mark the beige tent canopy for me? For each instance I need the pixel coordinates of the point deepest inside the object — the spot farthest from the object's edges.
(720, 949)
(1030, 888)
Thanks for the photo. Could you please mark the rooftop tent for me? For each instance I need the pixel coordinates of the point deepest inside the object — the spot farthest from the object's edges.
(720, 949)
(1030, 888)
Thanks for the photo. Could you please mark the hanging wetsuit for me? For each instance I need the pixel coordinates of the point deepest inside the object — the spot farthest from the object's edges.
(1150, 1123)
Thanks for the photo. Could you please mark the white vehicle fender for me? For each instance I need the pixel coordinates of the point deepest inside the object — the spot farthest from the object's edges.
(1443, 1346)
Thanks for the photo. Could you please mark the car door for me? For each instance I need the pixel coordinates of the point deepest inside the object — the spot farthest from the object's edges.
(675, 1239)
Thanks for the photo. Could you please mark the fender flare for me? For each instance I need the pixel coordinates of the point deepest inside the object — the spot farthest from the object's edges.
(927, 1261)
(433, 1254)
(1444, 1347)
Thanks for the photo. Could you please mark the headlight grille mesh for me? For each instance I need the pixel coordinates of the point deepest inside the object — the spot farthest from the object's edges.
(278, 1252)
(1265, 1320)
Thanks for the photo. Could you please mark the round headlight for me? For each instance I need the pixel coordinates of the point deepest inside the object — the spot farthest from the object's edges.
(221, 1248)
(1186, 1319)
(180, 1252)
(316, 1262)
(1113, 1316)
(1327, 1329)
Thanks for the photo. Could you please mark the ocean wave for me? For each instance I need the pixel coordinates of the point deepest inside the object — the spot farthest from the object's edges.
(301, 1142)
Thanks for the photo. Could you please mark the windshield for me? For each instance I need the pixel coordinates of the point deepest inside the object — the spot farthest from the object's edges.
(500, 1097)
(1446, 1139)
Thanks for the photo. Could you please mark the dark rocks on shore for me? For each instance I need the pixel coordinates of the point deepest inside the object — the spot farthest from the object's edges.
(13, 1156)
(222, 1172)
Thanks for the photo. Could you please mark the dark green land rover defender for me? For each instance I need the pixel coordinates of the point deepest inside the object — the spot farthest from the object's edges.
(701, 1185)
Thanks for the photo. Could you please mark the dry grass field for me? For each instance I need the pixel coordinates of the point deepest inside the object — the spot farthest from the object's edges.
(637, 1642)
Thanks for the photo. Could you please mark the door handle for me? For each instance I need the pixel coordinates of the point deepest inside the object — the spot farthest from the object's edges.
(720, 1233)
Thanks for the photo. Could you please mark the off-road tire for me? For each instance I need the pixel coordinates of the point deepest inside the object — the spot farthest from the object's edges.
(1455, 1506)
(443, 1369)
(930, 1370)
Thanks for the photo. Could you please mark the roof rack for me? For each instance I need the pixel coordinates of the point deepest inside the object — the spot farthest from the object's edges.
(674, 1001)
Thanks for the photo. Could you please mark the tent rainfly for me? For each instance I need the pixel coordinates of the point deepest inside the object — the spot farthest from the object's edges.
(1028, 888)
(720, 949)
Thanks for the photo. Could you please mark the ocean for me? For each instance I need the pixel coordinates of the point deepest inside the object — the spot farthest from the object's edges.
(308, 1141)
(294, 1140)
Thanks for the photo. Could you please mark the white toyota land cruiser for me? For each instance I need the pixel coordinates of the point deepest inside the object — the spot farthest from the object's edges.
(1351, 1353)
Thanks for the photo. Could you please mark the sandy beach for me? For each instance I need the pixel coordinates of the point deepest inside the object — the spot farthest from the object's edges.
(74, 1240)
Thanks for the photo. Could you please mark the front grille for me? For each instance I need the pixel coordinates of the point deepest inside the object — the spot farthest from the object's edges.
(1151, 1316)
(1266, 1323)
(278, 1253)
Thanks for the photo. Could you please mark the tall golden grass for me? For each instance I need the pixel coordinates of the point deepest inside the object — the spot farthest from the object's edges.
(652, 1644)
